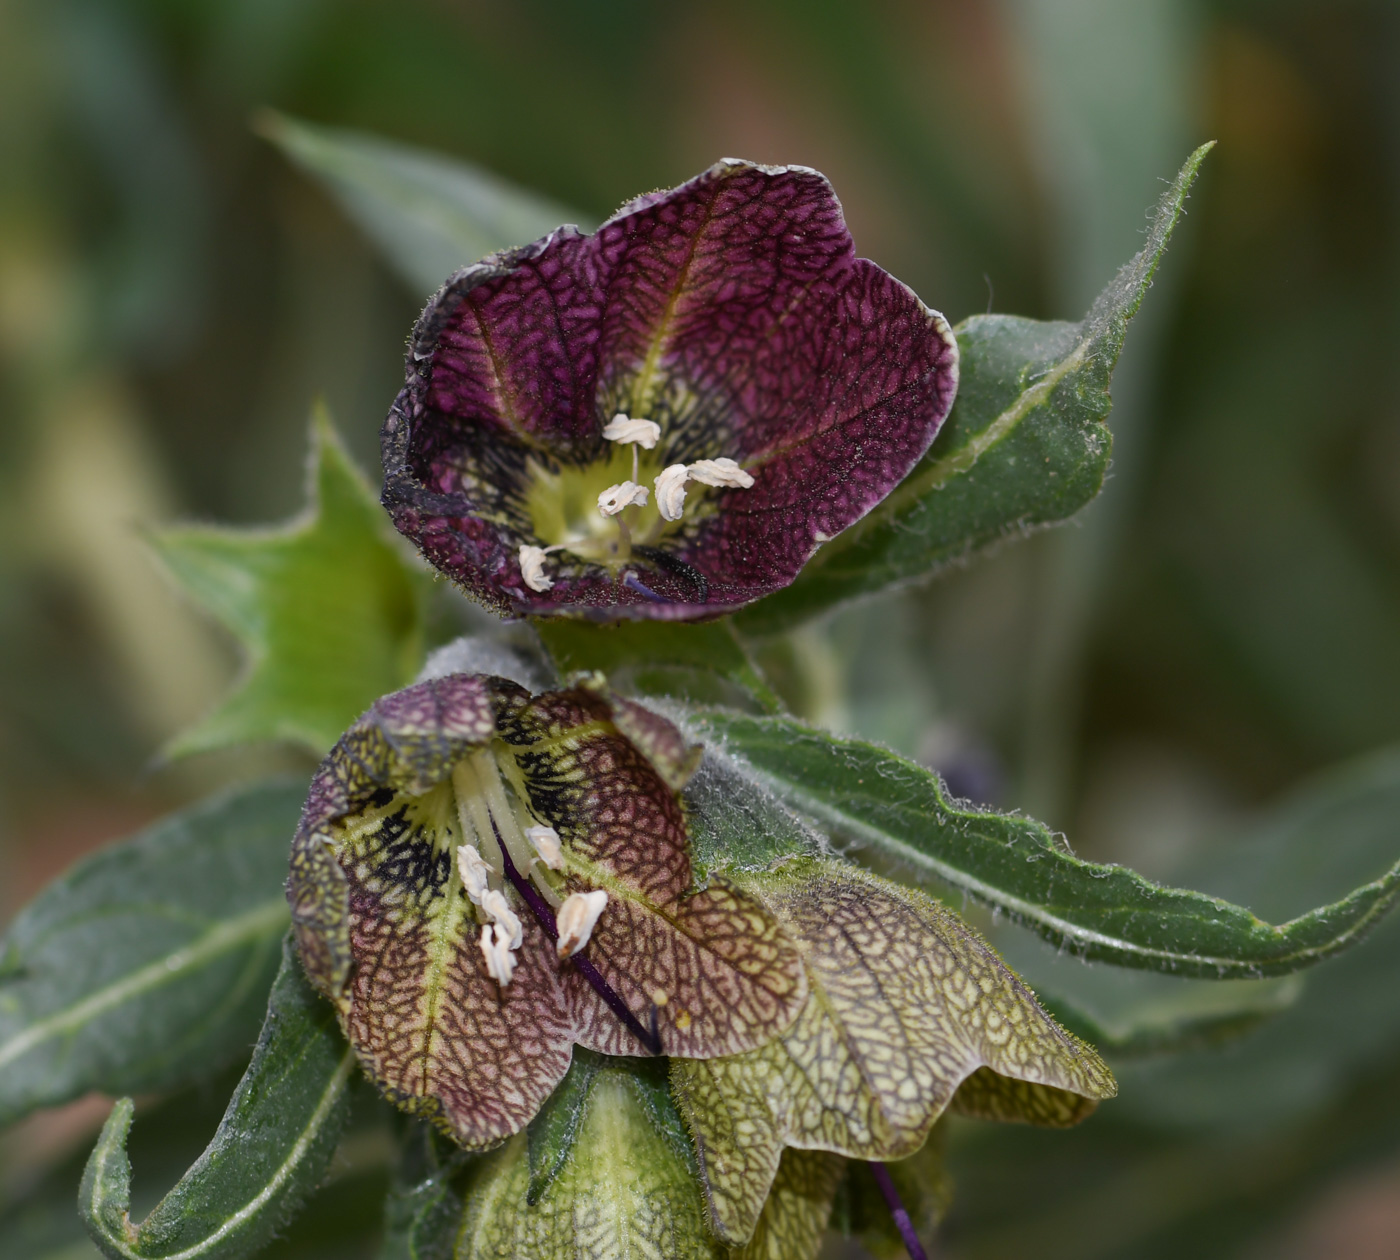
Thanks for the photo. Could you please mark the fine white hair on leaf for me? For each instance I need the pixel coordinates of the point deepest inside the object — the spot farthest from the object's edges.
(474, 872)
(720, 472)
(487, 654)
(493, 901)
(670, 491)
(623, 428)
(576, 919)
(732, 798)
(545, 842)
(495, 948)
(622, 495)
(532, 568)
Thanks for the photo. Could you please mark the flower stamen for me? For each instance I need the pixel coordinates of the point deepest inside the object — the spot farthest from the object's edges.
(495, 948)
(532, 566)
(495, 904)
(643, 433)
(720, 472)
(576, 919)
(670, 484)
(544, 916)
(474, 872)
(623, 428)
(545, 842)
(670, 492)
(623, 495)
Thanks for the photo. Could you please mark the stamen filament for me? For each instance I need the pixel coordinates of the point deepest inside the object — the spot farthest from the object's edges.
(544, 916)
(898, 1211)
(634, 583)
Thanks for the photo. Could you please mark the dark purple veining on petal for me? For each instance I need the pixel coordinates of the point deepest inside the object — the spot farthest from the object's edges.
(544, 916)
(733, 311)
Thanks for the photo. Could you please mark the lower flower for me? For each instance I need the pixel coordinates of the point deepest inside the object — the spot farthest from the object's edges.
(483, 879)
(456, 827)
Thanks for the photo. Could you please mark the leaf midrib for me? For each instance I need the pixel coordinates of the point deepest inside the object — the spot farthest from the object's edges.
(309, 1133)
(1032, 912)
(267, 919)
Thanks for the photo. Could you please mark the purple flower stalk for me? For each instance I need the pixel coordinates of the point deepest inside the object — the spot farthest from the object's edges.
(665, 418)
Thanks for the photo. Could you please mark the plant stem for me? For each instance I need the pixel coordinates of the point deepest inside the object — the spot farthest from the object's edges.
(898, 1211)
(544, 916)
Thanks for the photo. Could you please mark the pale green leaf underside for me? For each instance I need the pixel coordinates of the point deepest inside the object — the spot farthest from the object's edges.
(328, 610)
(624, 1190)
(900, 816)
(147, 965)
(428, 213)
(622, 1181)
(1025, 446)
(271, 1150)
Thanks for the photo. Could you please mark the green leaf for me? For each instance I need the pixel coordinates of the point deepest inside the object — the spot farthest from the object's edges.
(736, 824)
(147, 965)
(38, 1222)
(905, 1004)
(271, 1150)
(627, 1188)
(1133, 1014)
(327, 608)
(424, 1207)
(430, 214)
(1026, 444)
(1346, 1022)
(710, 647)
(553, 1131)
(901, 817)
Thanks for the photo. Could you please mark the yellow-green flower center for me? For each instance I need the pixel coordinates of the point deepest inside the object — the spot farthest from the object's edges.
(563, 507)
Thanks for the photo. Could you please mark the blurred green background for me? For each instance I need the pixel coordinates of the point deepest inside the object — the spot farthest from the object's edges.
(1223, 623)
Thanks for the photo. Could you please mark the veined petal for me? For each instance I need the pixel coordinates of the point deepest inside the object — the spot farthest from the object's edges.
(407, 919)
(733, 314)
(714, 965)
(713, 962)
(437, 1033)
(906, 1003)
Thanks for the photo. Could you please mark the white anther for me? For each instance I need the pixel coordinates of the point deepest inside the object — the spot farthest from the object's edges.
(622, 428)
(493, 901)
(720, 472)
(545, 842)
(473, 871)
(670, 491)
(495, 948)
(532, 568)
(576, 918)
(622, 495)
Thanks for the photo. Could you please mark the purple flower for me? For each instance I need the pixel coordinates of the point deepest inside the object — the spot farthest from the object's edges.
(666, 418)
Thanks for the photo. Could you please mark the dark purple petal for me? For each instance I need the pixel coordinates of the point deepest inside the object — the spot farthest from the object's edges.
(731, 310)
